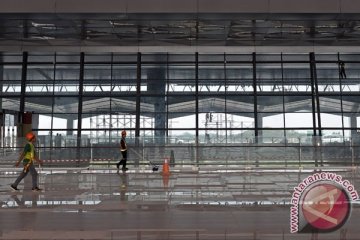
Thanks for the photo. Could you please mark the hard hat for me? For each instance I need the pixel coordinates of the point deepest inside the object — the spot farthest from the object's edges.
(29, 136)
(123, 132)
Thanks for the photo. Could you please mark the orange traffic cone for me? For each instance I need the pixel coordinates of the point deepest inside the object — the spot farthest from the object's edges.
(166, 167)
(166, 180)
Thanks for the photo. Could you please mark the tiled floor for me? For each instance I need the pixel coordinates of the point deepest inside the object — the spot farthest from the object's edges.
(144, 205)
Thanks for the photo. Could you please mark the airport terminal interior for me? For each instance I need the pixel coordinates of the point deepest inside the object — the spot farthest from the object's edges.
(228, 106)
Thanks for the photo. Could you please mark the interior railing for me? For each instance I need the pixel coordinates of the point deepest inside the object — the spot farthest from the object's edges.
(251, 152)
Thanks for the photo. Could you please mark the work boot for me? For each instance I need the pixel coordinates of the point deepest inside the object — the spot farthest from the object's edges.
(14, 188)
(36, 189)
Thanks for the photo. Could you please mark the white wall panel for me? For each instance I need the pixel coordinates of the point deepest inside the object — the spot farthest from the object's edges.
(90, 6)
(161, 6)
(304, 6)
(27, 6)
(350, 6)
(234, 6)
(182, 6)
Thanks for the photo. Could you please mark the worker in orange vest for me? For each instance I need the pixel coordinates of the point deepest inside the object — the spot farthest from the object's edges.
(27, 157)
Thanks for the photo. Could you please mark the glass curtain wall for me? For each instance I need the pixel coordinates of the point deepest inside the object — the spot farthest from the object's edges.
(179, 98)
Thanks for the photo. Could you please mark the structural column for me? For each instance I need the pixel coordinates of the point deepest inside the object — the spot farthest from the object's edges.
(35, 121)
(256, 120)
(353, 125)
(20, 115)
(79, 115)
(317, 143)
(156, 88)
(1, 82)
(354, 139)
(260, 126)
(2, 114)
(69, 126)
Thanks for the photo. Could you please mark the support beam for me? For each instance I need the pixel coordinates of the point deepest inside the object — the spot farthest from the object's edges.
(157, 87)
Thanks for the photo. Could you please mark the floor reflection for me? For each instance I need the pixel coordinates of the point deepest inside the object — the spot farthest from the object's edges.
(146, 205)
(123, 185)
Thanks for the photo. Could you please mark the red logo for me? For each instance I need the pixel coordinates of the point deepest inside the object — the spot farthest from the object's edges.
(326, 207)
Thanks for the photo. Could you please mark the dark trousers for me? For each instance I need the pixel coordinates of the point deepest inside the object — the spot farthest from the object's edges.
(342, 73)
(23, 174)
(123, 160)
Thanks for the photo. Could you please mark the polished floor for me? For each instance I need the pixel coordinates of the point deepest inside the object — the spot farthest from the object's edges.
(143, 205)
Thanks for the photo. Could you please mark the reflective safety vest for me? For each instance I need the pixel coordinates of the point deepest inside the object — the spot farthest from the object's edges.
(31, 154)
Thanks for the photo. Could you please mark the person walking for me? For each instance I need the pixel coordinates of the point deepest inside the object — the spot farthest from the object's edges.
(27, 157)
(342, 70)
(123, 150)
